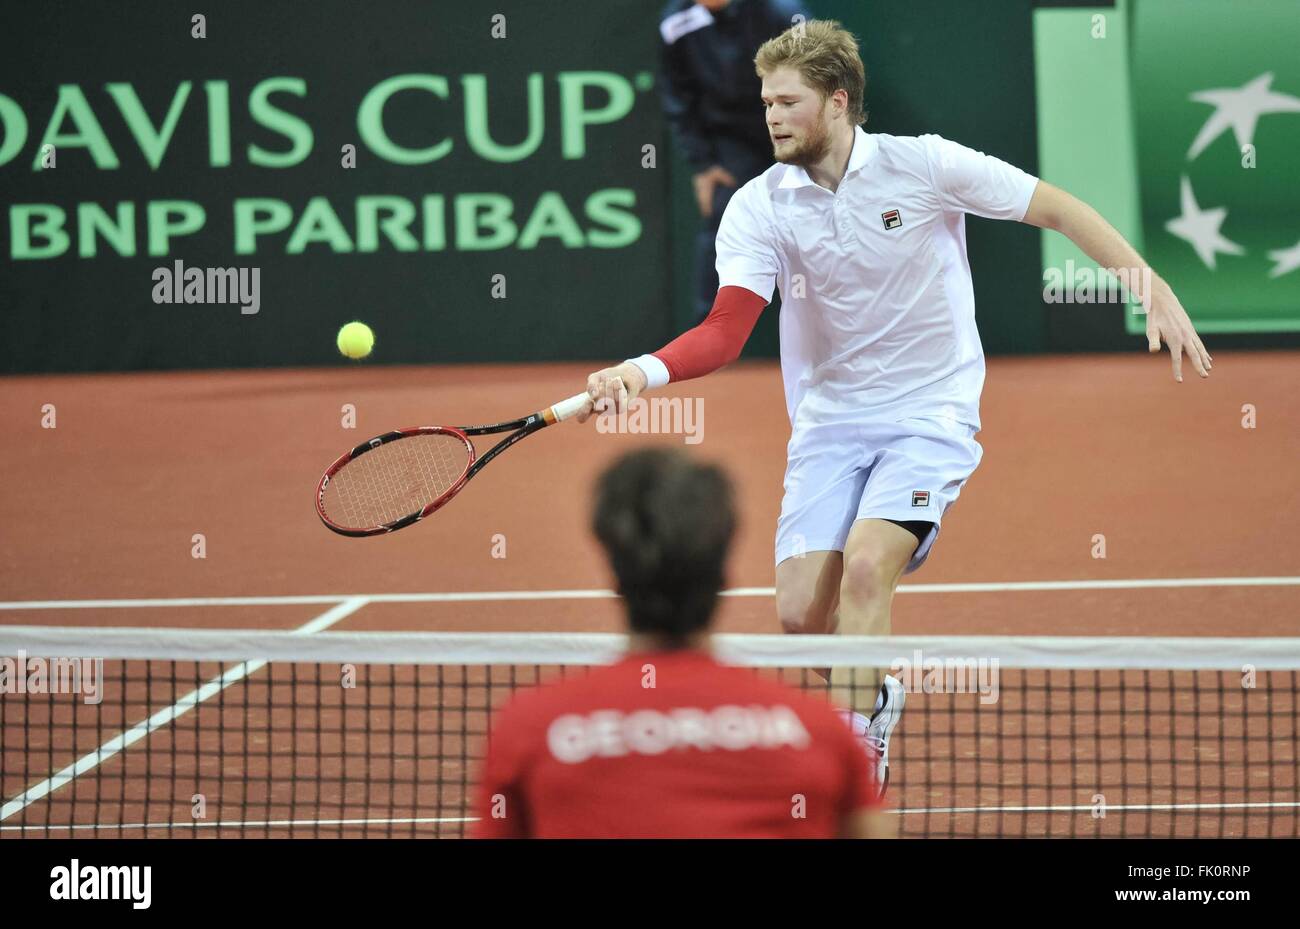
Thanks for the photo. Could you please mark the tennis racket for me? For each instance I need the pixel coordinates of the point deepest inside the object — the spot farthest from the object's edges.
(396, 479)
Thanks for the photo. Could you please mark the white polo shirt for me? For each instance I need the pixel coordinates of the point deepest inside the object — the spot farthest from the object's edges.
(877, 307)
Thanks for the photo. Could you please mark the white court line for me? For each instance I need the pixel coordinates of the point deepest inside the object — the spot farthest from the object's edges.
(598, 594)
(433, 820)
(158, 720)
(251, 824)
(1086, 808)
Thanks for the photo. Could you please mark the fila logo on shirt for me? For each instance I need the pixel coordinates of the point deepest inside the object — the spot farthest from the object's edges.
(920, 498)
(892, 219)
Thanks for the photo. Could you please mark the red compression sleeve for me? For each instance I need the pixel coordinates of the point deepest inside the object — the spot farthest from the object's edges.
(718, 340)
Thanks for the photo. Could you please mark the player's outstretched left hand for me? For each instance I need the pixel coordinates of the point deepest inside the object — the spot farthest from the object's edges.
(1167, 320)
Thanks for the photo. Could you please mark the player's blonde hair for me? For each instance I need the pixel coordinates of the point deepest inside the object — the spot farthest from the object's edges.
(826, 56)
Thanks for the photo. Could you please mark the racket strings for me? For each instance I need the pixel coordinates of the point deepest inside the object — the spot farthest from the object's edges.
(395, 480)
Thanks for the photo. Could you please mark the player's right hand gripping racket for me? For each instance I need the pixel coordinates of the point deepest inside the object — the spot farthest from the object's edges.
(396, 479)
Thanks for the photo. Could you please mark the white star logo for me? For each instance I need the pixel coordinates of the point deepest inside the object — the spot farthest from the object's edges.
(1239, 109)
(1288, 259)
(1200, 228)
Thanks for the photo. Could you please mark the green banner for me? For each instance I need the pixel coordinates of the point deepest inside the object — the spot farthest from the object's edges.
(1216, 90)
(483, 181)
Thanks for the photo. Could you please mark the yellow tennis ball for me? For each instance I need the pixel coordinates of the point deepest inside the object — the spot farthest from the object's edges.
(356, 340)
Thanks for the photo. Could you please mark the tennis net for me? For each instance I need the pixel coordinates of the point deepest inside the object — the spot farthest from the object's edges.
(185, 733)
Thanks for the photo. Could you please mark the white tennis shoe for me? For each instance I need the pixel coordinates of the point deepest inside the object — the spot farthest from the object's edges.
(883, 722)
(877, 730)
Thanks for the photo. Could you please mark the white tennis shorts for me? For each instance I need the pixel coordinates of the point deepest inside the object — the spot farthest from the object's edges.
(840, 472)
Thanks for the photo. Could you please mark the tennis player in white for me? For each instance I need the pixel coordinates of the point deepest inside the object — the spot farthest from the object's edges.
(883, 367)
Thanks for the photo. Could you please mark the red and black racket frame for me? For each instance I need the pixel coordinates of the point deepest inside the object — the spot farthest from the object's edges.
(475, 463)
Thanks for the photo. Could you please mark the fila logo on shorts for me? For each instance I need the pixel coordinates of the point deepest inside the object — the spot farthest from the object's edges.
(892, 219)
(920, 498)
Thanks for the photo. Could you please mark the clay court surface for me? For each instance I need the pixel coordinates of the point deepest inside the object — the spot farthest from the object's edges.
(1197, 512)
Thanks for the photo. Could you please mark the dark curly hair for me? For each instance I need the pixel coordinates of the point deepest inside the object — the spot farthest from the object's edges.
(666, 523)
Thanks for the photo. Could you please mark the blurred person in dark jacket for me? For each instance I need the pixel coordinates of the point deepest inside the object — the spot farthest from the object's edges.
(709, 92)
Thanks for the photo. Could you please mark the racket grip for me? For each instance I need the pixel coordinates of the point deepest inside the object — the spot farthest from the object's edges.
(566, 409)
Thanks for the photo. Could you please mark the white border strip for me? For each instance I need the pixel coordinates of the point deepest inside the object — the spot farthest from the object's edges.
(552, 648)
(479, 596)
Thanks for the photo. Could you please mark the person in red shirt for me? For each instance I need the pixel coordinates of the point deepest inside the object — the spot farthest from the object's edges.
(668, 742)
